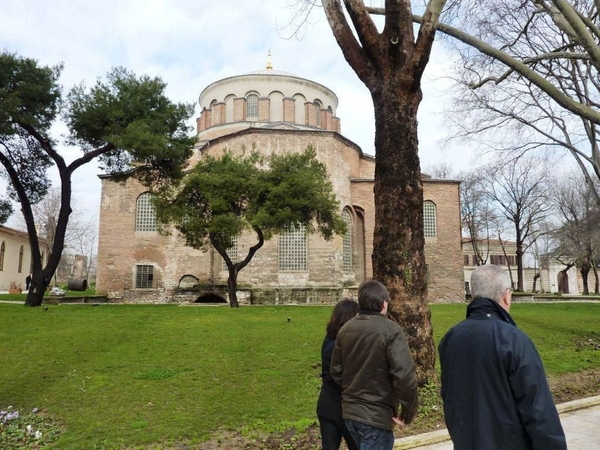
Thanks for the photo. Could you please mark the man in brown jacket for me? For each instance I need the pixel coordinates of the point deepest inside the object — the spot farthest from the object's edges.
(372, 362)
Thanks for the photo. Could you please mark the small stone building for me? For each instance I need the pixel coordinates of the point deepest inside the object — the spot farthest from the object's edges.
(270, 111)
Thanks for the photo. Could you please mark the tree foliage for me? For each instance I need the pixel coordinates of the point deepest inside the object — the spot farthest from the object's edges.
(222, 198)
(125, 121)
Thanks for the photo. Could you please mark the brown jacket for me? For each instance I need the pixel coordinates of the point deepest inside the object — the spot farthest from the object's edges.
(372, 362)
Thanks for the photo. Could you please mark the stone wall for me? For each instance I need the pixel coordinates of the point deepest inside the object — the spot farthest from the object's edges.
(121, 248)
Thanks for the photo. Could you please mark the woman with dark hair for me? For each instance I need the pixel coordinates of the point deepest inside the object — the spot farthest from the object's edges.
(329, 406)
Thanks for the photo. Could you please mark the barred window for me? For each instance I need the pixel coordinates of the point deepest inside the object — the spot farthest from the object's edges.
(429, 223)
(232, 252)
(20, 266)
(466, 260)
(252, 107)
(145, 216)
(293, 249)
(318, 110)
(2, 251)
(144, 276)
(214, 112)
(347, 242)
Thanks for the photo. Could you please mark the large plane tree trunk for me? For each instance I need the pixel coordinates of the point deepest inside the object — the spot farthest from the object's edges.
(398, 243)
(390, 63)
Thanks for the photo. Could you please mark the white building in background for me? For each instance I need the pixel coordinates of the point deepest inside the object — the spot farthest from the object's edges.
(492, 251)
(15, 258)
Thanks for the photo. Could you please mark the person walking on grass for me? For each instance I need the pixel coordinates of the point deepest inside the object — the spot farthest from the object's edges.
(372, 363)
(494, 389)
(329, 405)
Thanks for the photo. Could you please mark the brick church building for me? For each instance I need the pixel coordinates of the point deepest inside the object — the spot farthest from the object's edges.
(270, 111)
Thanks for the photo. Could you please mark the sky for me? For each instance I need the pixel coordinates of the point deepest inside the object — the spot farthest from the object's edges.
(190, 44)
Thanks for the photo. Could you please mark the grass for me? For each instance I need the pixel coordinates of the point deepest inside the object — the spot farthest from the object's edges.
(21, 297)
(125, 375)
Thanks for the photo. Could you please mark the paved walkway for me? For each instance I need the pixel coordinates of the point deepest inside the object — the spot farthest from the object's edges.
(580, 420)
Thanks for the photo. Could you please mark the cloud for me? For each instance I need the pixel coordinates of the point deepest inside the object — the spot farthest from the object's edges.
(190, 44)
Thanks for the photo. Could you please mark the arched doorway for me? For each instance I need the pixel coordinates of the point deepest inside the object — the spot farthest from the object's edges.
(210, 298)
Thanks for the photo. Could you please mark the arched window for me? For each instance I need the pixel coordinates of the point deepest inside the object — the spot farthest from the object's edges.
(145, 216)
(318, 107)
(20, 266)
(347, 242)
(2, 251)
(232, 252)
(429, 221)
(292, 248)
(252, 107)
(212, 108)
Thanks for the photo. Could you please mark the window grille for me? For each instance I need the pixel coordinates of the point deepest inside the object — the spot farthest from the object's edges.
(20, 266)
(293, 249)
(213, 111)
(318, 111)
(145, 215)
(429, 219)
(347, 242)
(144, 276)
(232, 252)
(252, 107)
(466, 260)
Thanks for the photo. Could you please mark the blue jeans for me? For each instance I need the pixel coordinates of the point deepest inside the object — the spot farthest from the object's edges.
(370, 438)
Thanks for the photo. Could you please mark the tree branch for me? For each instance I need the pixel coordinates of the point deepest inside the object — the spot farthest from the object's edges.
(352, 51)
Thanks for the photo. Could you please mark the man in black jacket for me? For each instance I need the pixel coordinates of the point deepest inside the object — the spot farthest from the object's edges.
(495, 392)
(372, 362)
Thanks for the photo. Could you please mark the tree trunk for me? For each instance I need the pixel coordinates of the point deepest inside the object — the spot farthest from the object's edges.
(519, 258)
(232, 287)
(596, 280)
(585, 270)
(39, 283)
(535, 278)
(398, 241)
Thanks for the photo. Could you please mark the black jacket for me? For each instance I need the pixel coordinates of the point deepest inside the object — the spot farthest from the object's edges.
(329, 404)
(372, 362)
(494, 388)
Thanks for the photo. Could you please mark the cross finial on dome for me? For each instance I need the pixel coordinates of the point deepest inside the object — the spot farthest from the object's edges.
(269, 65)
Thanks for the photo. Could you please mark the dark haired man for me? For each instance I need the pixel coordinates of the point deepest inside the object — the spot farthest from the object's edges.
(494, 388)
(372, 362)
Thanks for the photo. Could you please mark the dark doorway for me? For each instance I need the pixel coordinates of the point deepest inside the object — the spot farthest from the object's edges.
(210, 298)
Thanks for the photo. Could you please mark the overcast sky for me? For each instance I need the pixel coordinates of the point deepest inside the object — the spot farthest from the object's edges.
(190, 44)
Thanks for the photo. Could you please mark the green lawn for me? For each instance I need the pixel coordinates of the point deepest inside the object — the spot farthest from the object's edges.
(123, 375)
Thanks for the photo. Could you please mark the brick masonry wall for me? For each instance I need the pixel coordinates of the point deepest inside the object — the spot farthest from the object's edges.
(239, 109)
(264, 109)
(218, 113)
(443, 254)
(311, 114)
(289, 110)
(121, 248)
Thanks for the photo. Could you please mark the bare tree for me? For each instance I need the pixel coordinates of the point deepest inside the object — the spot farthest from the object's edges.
(578, 233)
(519, 190)
(80, 236)
(480, 221)
(542, 244)
(84, 242)
(390, 62)
(548, 97)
